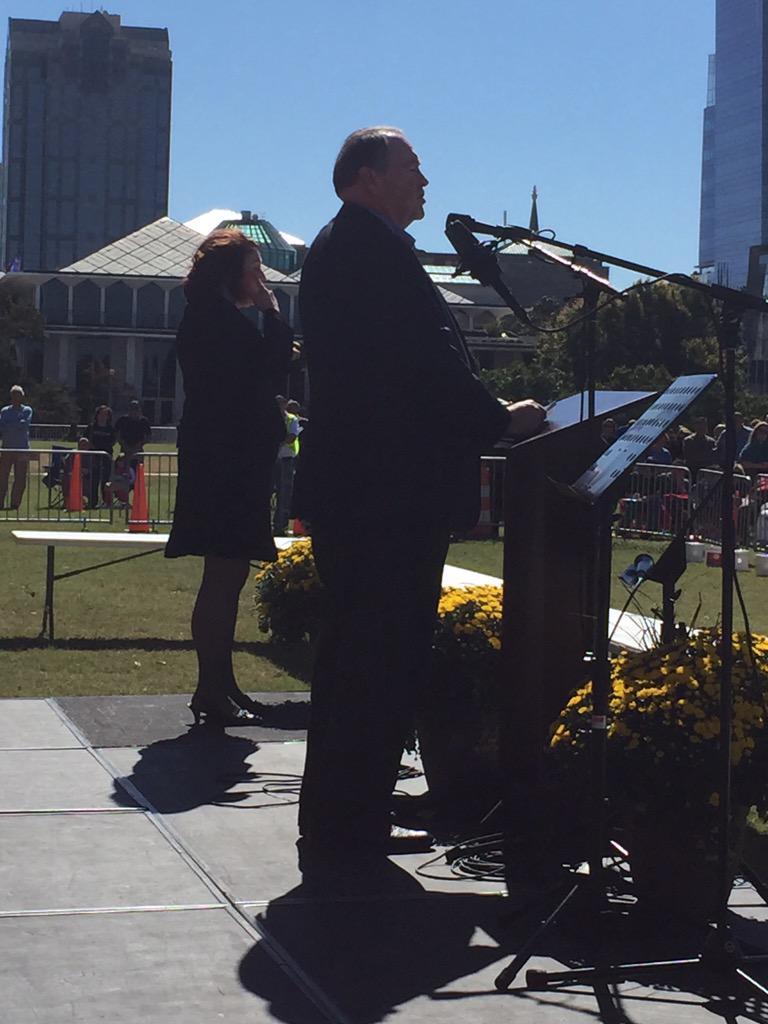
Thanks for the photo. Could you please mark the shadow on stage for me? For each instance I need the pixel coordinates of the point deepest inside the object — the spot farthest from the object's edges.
(362, 960)
(197, 768)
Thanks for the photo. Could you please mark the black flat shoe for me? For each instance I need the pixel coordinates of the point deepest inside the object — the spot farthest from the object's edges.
(220, 710)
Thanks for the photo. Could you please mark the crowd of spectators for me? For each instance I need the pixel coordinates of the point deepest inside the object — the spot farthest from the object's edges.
(658, 499)
(696, 448)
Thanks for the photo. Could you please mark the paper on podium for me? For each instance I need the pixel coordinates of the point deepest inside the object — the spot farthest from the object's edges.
(572, 411)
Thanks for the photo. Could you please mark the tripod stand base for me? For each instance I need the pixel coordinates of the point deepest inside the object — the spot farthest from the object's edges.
(721, 958)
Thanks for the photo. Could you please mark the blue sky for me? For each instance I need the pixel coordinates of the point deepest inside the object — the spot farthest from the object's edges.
(599, 103)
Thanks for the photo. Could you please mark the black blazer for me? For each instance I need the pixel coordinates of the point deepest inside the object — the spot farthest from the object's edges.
(398, 416)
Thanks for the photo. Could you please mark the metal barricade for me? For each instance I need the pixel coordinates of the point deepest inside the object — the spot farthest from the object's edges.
(656, 502)
(707, 502)
(758, 513)
(66, 485)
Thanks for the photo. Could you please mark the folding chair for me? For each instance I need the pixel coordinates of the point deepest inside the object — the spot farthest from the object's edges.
(53, 476)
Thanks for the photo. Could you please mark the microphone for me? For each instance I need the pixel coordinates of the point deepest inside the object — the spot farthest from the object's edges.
(480, 261)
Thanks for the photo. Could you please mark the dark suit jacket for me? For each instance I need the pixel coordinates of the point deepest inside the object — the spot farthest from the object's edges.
(397, 415)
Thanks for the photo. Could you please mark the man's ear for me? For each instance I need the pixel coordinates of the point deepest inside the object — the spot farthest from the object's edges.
(367, 179)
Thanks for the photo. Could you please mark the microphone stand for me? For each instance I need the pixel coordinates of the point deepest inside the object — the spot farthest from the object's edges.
(721, 953)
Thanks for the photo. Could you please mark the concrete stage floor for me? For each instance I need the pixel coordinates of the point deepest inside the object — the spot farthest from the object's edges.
(148, 874)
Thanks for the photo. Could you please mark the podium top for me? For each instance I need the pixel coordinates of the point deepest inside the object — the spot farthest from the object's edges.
(572, 411)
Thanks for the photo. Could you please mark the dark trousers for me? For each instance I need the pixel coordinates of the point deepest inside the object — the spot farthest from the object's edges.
(283, 487)
(372, 662)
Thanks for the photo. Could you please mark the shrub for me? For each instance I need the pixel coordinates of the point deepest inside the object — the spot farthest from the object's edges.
(289, 595)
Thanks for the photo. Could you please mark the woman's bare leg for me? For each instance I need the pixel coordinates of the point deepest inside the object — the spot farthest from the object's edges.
(213, 622)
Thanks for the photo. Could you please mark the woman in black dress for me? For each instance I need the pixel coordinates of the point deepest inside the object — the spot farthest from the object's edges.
(228, 439)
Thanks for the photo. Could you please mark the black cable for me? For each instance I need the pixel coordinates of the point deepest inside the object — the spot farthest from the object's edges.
(580, 319)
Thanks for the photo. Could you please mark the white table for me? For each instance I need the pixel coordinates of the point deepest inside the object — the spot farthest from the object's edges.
(138, 544)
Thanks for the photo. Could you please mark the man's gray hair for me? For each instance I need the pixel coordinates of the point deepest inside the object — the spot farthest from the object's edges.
(367, 147)
(17, 389)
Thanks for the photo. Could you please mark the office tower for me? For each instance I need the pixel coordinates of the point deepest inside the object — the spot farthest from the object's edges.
(734, 182)
(86, 132)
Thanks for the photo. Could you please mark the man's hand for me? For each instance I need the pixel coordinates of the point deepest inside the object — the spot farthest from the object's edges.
(526, 418)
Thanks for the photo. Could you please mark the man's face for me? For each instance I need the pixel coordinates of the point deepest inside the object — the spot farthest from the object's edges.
(133, 411)
(15, 398)
(400, 188)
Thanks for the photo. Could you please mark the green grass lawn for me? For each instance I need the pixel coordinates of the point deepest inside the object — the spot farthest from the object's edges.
(125, 628)
(697, 582)
(122, 629)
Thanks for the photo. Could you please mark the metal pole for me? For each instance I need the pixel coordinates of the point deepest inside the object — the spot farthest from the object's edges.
(729, 336)
(49, 582)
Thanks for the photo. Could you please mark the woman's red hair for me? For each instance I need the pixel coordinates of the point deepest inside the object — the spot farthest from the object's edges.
(218, 264)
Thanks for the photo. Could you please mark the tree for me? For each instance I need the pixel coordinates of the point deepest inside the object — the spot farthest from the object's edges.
(51, 402)
(642, 342)
(18, 320)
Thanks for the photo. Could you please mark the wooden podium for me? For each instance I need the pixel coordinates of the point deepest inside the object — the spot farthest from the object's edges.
(550, 553)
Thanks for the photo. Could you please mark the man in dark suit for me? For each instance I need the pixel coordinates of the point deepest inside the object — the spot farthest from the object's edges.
(389, 466)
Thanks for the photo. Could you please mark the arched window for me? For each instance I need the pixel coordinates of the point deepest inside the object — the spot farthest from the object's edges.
(484, 319)
(118, 302)
(86, 302)
(150, 309)
(54, 301)
(34, 362)
(158, 380)
(176, 305)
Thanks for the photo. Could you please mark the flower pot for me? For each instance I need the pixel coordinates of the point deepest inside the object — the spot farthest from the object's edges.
(458, 733)
(674, 861)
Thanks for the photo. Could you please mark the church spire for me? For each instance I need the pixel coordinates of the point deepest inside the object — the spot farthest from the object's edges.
(534, 222)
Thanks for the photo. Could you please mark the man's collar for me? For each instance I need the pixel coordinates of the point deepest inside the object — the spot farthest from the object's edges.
(396, 230)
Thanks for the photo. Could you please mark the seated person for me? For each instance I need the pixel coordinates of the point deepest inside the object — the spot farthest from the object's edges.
(117, 490)
(83, 445)
(743, 435)
(658, 454)
(699, 448)
(754, 455)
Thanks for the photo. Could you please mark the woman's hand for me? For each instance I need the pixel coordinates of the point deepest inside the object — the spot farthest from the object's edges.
(264, 299)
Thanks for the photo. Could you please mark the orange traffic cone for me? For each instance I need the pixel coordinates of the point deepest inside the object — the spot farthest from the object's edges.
(138, 521)
(485, 527)
(75, 492)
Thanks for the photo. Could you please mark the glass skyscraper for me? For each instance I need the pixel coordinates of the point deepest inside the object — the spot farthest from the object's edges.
(734, 185)
(86, 136)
